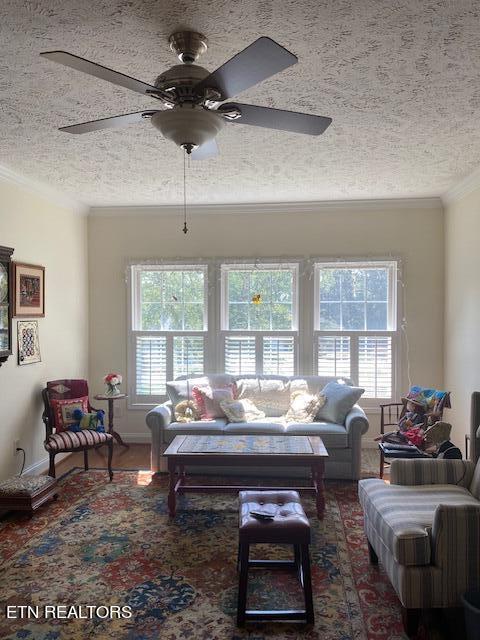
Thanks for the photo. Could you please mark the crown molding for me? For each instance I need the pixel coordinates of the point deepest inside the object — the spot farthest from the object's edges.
(44, 191)
(270, 207)
(465, 186)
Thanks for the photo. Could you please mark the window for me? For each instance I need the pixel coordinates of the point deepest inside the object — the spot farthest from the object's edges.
(339, 319)
(355, 323)
(169, 324)
(259, 318)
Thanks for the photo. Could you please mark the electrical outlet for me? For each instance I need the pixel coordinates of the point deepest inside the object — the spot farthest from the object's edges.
(16, 444)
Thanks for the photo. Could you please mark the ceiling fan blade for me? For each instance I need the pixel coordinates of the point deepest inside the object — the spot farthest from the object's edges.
(108, 123)
(278, 118)
(97, 70)
(260, 60)
(206, 150)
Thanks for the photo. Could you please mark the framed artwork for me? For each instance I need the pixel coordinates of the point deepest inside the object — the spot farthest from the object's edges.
(28, 345)
(29, 290)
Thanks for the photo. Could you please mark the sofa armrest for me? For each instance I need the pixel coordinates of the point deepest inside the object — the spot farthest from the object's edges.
(157, 419)
(356, 422)
(455, 535)
(160, 417)
(431, 471)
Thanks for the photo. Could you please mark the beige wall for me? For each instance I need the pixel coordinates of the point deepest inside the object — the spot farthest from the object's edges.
(462, 307)
(413, 233)
(45, 234)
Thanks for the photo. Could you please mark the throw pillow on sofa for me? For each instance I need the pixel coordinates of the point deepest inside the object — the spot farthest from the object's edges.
(304, 406)
(241, 410)
(208, 401)
(270, 396)
(340, 398)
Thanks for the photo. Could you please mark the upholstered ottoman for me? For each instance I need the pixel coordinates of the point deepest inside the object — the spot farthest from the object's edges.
(289, 525)
(26, 493)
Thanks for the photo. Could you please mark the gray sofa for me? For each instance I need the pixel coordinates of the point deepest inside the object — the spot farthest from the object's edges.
(343, 441)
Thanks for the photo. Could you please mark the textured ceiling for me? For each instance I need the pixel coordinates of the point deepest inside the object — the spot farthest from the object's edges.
(400, 80)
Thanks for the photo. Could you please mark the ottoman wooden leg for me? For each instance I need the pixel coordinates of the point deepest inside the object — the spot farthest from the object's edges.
(242, 583)
(307, 584)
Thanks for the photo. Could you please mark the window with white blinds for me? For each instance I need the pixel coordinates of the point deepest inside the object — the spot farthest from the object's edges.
(355, 324)
(246, 319)
(169, 327)
(261, 300)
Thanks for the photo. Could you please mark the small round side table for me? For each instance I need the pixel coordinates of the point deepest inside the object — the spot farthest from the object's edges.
(111, 399)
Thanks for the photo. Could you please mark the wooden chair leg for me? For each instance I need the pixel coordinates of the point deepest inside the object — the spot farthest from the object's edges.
(307, 583)
(411, 620)
(382, 463)
(109, 460)
(242, 583)
(85, 459)
(372, 553)
(51, 467)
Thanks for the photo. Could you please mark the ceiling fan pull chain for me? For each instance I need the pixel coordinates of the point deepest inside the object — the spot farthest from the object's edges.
(185, 228)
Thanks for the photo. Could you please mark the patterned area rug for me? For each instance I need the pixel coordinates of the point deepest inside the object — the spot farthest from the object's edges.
(113, 544)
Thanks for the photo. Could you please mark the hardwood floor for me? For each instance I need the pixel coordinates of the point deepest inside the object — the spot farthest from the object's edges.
(137, 456)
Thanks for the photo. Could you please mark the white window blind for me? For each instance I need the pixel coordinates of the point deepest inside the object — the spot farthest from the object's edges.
(375, 366)
(334, 356)
(188, 355)
(150, 365)
(240, 354)
(356, 323)
(335, 319)
(279, 355)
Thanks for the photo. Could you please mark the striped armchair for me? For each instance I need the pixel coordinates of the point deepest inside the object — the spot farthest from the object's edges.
(425, 529)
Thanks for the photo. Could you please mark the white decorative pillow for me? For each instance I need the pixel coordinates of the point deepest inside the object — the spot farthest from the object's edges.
(304, 406)
(270, 396)
(241, 410)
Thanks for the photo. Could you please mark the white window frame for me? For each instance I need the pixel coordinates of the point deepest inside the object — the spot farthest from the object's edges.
(305, 329)
(264, 265)
(136, 401)
(393, 323)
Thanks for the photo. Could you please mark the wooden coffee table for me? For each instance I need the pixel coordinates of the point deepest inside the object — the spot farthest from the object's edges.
(244, 451)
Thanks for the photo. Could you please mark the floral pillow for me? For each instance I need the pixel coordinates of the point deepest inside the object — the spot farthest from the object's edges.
(241, 410)
(304, 406)
(208, 401)
(63, 410)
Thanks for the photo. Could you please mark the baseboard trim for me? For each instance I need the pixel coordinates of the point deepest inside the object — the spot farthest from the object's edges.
(39, 467)
(136, 438)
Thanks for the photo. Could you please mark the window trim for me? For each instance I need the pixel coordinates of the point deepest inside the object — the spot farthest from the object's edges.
(142, 402)
(306, 321)
(394, 320)
(226, 267)
(392, 303)
(136, 303)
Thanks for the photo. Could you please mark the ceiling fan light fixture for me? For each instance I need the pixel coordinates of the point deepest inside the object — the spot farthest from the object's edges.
(188, 125)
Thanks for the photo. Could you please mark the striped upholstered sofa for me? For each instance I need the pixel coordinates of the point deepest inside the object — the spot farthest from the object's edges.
(425, 529)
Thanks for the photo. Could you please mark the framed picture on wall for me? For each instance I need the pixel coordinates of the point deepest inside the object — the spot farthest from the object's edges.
(29, 290)
(28, 344)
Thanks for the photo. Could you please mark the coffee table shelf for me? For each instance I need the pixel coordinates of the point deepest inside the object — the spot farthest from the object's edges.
(250, 456)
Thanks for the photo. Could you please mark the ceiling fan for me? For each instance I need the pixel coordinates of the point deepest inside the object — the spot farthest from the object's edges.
(193, 99)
